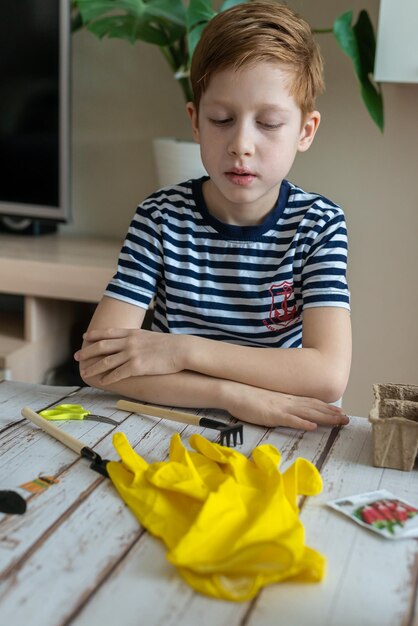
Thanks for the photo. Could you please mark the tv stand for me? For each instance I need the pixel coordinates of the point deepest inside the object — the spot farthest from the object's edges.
(55, 275)
(26, 226)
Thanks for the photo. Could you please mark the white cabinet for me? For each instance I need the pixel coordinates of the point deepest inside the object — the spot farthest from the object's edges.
(397, 42)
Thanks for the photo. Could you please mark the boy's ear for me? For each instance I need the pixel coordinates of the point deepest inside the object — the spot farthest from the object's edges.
(192, 113)
(309, 128)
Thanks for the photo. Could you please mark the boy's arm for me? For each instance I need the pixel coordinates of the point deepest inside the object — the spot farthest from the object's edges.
(319, 369)
(195, 390)
(111, 312)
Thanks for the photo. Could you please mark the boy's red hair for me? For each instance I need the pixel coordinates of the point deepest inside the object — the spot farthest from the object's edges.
(260, 31)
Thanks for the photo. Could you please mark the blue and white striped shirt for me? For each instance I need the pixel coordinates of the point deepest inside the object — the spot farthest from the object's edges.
(242, 284)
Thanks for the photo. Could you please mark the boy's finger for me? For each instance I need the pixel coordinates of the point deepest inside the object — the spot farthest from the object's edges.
(117, 374)
(105, 333)
(328, 419)
(99, 348)
(109, 363)
(293, 421)
(85, 363)
(322, 407)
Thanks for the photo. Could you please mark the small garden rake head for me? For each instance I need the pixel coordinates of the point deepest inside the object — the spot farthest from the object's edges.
(230, 434)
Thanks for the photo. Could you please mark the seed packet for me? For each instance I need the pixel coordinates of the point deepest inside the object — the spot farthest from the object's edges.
(39, 484)
(382, 512)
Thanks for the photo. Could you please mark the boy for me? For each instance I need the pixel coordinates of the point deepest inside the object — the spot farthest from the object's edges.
(248, 271)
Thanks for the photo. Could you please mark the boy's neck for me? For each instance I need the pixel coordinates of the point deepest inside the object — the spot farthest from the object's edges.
(238, 214)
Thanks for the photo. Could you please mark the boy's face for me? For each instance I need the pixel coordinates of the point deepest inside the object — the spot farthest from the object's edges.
(249, 128)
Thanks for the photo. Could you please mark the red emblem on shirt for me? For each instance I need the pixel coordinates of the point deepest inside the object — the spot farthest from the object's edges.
(281, 315)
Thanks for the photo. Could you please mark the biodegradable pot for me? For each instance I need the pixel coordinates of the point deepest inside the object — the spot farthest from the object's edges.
(176, 161)
(394, 420)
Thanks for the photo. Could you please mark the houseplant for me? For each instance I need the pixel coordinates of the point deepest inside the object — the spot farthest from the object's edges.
(176, 28)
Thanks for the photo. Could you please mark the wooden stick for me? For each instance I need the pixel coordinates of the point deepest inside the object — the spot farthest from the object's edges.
(52, 430)
(156, 411)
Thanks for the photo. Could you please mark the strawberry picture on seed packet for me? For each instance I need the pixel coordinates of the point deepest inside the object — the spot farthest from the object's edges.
(381, 512)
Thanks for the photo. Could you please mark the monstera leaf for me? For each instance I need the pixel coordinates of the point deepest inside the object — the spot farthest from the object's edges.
(358, 43)
(160, 22)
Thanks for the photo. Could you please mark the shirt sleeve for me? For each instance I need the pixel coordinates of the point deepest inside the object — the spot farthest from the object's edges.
(324, 281)
(140, 263)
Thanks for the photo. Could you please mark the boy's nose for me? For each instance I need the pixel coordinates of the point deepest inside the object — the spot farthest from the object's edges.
(240, 143)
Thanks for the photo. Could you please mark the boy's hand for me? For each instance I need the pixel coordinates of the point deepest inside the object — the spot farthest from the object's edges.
(114, 354)
(271, 408)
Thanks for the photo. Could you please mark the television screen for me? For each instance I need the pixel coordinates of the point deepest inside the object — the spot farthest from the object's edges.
(35, 109)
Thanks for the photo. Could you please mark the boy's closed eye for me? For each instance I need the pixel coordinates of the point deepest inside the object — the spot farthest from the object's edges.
(221, 122)
(229, 120)
(269, 126)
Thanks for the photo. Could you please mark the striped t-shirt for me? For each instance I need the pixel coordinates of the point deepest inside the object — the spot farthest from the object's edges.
(241, 284)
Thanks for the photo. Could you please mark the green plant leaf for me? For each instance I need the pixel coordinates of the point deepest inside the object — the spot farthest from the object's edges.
(171, 10)
(193, 38)
(131, 29)
(230, 3)
(160, 22)
(76, 21)
(92, 9)
(198, 12)
(359, 44)
(366, 41)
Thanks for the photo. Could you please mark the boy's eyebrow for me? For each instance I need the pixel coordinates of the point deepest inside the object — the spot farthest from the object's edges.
(273, 107)
(264, 106)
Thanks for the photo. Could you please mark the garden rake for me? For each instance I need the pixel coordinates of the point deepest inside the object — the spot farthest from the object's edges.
(230, 434)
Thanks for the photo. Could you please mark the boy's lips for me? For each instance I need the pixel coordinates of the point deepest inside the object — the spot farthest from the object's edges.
(240, 176)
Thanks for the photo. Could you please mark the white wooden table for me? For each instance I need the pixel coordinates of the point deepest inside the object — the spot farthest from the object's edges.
(78, 556)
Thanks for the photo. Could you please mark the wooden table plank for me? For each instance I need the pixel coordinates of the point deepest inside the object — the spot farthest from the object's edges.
(46, 455)
(371, 581)
(15, 395)
(149, 591)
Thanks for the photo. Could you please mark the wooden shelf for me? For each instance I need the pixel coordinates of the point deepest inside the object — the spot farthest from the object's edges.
(54, 266)
(54, 274)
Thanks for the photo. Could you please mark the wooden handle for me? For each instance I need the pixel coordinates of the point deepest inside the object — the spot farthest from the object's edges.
(156, 411)
(57, 433)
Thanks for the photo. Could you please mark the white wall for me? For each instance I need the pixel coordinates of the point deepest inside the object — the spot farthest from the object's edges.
(124, 96)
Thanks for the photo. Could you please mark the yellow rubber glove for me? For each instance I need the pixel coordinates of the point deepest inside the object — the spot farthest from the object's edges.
(230, 524)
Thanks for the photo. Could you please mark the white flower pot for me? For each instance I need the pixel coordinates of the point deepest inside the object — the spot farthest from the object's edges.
(177, 161)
